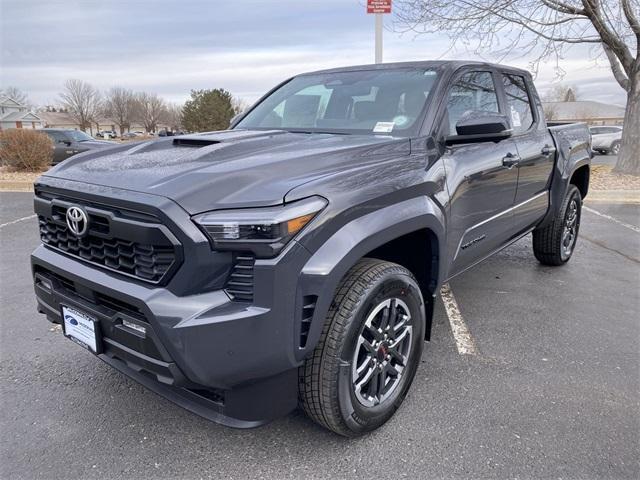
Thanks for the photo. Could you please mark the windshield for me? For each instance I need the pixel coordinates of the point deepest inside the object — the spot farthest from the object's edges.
(79, 136)
(364, 102)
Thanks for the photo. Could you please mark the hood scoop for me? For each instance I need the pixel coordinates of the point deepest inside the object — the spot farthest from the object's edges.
(194, 142)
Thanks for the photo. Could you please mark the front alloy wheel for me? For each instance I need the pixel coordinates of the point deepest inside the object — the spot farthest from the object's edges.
(368, 352)
(382, 352)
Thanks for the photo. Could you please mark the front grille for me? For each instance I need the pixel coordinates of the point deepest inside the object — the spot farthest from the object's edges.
(127, 241)
(148, 262)
(240, 282)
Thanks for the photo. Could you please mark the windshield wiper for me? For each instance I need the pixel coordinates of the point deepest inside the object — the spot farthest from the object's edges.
(317, 131)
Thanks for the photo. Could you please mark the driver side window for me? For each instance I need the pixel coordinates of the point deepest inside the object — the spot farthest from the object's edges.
(473, 91)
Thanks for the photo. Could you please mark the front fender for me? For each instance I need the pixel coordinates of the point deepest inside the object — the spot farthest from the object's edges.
(325, 269)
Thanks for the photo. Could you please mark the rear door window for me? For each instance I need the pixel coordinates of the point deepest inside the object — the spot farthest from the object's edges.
(519, 108)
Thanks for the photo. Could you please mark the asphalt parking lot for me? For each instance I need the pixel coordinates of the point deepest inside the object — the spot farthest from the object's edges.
(553, 391)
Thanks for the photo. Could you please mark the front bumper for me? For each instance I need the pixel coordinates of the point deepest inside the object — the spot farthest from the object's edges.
(231, 362)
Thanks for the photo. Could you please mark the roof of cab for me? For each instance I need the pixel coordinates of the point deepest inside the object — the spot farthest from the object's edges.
(436, 64)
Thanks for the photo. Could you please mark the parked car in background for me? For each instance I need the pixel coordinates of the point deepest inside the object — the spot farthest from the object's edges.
(128, 135)
(107, 134)
(606, 140)
(67, 143)
(165, 133)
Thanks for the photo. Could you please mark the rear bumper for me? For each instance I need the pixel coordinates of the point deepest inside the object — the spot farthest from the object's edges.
(230, 362)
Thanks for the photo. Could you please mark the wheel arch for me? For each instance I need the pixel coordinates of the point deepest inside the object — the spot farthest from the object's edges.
(580, 178)
(392, 233)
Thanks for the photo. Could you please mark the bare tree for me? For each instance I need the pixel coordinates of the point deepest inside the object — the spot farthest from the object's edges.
(544, 30)
(562, 93)
(550, 111)
(14, 93)
(173, 116)
(150, 110)
(82, 101)
(240, 105)
(119, 106)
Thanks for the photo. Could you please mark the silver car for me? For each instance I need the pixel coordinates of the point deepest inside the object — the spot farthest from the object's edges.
(606, 139)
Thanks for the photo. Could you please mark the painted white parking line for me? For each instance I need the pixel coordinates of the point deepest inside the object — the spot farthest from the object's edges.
(613, 219)
(464, 340)
(18, 220)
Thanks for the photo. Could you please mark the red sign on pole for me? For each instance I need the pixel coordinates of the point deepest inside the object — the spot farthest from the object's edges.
(378, 6)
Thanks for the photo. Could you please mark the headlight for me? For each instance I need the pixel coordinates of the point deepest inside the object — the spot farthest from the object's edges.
(264, 231)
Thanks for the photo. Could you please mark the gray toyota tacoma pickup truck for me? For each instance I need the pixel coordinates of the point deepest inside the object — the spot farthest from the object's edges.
(295, 258)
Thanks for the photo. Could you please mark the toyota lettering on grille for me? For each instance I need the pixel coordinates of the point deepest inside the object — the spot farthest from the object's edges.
(77, 221)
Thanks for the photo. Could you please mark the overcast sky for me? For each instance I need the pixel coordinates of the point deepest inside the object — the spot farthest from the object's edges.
(244, 46)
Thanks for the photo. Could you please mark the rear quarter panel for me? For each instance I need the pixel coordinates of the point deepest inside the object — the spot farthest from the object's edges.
(573, 151)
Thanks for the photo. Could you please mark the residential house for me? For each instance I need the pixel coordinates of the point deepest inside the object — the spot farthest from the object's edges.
(67, 121)
(15, 115)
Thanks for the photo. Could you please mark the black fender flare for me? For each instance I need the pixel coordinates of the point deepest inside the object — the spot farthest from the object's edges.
(572, 155)
(325, 269)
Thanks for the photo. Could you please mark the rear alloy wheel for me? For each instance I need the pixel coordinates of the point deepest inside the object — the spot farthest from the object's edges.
(570, 229)
(555, 243)
(368, 352)
(615, 148)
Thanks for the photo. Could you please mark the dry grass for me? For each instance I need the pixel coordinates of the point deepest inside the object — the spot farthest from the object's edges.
(603, 178)
(7, 175)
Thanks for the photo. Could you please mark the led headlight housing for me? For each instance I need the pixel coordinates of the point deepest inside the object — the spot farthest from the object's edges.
(264, 231)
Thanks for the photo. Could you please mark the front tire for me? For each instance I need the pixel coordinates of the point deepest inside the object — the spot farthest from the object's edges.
(554, 244)
(368, 352)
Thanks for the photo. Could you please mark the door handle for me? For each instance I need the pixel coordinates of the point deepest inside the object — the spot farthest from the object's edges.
(510, 160)
(546, 150)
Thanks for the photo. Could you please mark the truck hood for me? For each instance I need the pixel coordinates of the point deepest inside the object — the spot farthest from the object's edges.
(227, 169)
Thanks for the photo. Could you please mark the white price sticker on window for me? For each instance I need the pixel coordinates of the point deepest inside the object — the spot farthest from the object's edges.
(383, 127)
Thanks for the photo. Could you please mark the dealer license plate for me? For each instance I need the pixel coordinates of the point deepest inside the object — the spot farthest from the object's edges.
(81, 328)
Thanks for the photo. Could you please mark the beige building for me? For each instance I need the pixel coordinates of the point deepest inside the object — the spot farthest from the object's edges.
(593, 113)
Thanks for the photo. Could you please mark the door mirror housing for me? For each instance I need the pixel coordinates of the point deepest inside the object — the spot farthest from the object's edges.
(480, 127)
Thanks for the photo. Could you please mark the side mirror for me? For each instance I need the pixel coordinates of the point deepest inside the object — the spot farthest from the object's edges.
(480, 127)
(65, 142)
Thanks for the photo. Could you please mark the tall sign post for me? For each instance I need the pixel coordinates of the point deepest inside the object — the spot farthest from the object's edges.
(379, 8)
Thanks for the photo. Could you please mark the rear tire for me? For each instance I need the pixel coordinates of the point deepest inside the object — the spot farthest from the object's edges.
(554, 244)
(615, 148)
(374, 332)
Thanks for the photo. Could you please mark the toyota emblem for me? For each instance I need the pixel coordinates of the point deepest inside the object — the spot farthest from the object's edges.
(77, 221)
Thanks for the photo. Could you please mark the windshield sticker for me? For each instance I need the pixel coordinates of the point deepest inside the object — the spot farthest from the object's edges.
(515, 117)
(383, 127)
